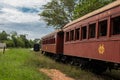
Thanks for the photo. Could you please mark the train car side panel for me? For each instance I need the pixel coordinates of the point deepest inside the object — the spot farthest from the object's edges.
(53, 42)
(49, 48)
(106, 51)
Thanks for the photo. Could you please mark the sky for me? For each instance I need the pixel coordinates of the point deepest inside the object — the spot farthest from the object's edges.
(22, 16)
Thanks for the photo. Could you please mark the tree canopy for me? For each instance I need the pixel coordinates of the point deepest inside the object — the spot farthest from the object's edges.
(15, 40)
(58, 13)
(86, 6)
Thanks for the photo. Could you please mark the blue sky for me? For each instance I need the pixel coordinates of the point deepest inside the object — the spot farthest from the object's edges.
(22, 16)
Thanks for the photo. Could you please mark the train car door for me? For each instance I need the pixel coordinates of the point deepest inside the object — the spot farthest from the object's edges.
(60, 42)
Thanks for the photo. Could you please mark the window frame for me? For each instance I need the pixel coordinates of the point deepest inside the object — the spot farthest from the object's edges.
(105, 19)
(82, 38)
(72, 35)
(94, 30)
(77, 33)
(67, 36)
(111, 21)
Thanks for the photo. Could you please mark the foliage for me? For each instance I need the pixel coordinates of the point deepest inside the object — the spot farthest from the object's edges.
(15, 40)
(9, 43)
(57, 13)
(86, 6)
(3, 36)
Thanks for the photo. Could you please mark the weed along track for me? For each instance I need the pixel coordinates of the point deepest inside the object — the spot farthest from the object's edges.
(55, 74)
(62, 71)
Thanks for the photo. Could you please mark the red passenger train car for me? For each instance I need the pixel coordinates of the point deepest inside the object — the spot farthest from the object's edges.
(53, 43)
(95, 35)
(92, 41)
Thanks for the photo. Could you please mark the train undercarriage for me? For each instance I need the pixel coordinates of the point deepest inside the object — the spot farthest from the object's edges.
(92, 65)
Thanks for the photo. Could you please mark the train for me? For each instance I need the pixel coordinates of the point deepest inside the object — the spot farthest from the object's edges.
(91, 41)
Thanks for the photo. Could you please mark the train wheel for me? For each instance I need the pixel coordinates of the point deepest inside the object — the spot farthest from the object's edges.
(84, 65)
(64, 59)
(57, 57)
(98, 67)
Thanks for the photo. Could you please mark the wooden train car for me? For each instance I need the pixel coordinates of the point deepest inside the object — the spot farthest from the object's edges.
(95, 35)
(53, 43)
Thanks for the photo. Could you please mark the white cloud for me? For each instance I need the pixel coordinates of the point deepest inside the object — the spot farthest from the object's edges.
(11, 13)
(14, 19)
(25, 3)
(14, 15)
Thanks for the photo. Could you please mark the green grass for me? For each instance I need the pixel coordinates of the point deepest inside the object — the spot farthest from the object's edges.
(24, 64)
(42, 61)
(13, 66)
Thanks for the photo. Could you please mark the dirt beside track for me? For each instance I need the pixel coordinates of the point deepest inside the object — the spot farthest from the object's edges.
(55, 74)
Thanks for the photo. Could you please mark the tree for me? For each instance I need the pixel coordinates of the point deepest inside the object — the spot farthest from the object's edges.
(36, 40)
(20, 42)
(58, 13)
(9, 43)
(3, 36)
(86, 6)
(27, 43)
(15, 40)
(31, 43)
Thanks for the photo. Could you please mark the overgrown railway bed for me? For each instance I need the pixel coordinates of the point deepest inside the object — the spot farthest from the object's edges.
(108, 75)
(113, 75)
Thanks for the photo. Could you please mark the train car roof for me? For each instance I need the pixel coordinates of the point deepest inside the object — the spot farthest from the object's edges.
(107, 7)
(51, 34)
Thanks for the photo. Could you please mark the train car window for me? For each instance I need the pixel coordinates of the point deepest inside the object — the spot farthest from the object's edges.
(84, 32)
(46, 41)
(92, 28)
(77, 34)
(53, 41)
(103, 28)
(42, 42)
(115, 25)
(67, 36)
(72, 35)
(50, 41)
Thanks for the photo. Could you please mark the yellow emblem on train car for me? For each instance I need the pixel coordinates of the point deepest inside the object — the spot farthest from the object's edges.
(101, 49)
(46, 47)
